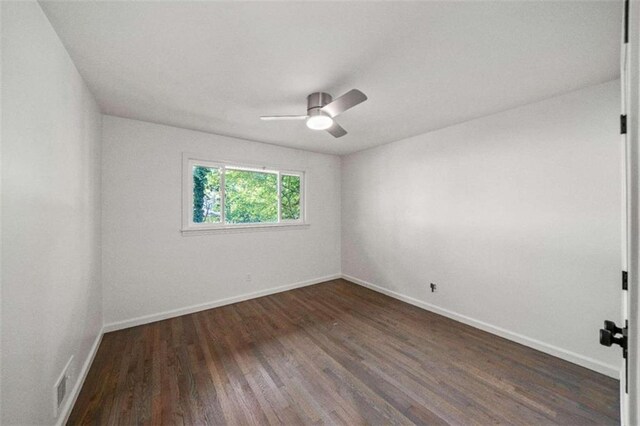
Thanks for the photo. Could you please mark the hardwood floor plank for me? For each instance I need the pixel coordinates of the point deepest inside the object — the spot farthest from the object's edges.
(332, 353)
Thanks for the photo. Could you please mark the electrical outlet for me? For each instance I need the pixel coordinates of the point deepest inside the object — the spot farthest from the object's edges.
(433, 287)
(62, 387)
(248, 278)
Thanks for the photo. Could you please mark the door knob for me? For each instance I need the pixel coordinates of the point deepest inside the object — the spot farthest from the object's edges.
(608, 339)
(608, 335)
(612, 327)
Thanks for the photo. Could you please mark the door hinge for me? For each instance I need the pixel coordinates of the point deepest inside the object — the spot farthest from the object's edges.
(626, 21)
(625, 355)
(625, 280)
(623, 124)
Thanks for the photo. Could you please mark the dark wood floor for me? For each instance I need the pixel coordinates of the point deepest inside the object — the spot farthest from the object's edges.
(332, 353)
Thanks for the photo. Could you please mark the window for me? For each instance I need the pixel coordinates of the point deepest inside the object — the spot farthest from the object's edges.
(250, 196)
(206, 195)
(290, 196)
(223, 196)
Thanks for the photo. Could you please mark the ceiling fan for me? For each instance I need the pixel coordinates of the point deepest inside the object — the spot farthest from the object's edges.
(322, 109)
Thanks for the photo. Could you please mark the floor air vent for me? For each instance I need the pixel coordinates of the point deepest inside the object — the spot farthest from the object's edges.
(60, 388)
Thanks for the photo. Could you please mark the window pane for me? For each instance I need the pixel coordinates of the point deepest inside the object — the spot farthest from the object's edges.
(250, 197)
(290, 193)
(206, 195)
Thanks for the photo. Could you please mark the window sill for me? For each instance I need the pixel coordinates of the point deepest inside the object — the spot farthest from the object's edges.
(233, 229)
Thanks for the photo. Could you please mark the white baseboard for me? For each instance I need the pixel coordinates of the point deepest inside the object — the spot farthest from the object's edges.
(146, 319)
(65, 411)
(590, 363)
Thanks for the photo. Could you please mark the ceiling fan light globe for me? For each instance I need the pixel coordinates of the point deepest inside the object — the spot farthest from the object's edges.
(319, 122)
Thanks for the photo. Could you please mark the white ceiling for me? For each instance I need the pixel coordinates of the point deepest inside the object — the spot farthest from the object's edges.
(217, 67)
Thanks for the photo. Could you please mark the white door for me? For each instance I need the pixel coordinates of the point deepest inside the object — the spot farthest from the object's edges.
(617, 333)
(630, 76)
(628, 116)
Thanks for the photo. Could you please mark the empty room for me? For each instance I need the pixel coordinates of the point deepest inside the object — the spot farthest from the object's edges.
(319, 212)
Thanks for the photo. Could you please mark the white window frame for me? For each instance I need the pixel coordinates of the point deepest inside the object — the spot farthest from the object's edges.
(191, 228)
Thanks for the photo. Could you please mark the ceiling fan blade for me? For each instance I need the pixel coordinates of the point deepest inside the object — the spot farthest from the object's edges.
(344, 102)
(336, 130)
(282, 117)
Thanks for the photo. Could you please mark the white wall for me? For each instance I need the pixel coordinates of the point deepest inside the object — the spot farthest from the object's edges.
(516, 217)
(150, 268)
(51, 293)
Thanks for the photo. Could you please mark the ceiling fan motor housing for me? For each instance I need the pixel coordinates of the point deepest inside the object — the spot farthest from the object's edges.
(317, 100)
(317, 119)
